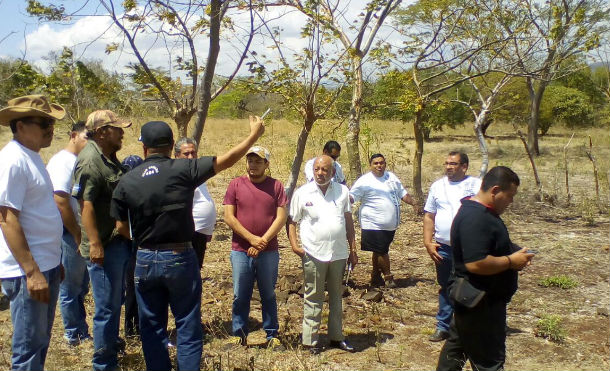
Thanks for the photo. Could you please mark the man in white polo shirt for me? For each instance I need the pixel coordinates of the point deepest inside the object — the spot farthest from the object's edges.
(30, 225)
(75, 286)
(441, 206)
(327, 234)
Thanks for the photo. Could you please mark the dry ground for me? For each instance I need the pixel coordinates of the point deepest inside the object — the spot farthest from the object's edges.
(573, 240)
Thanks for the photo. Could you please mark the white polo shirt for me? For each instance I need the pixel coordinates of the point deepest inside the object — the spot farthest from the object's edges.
(444, 201)
(338, 177)
(380, 199)
(60, 168)
(204, 210)
(25, 186)
(322, 220)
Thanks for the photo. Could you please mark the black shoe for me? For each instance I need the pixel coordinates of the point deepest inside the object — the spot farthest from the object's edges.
(439, 335)
(343, 345)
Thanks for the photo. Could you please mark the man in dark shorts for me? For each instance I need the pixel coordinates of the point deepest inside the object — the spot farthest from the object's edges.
(157, 200)
(484, 261)
(379, 193)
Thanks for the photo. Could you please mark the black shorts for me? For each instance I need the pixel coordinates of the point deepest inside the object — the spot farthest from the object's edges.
(376, 241)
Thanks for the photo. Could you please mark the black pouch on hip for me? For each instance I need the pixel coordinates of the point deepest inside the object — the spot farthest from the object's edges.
(463, 293)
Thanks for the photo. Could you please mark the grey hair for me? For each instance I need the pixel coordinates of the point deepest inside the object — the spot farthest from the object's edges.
(182, 141)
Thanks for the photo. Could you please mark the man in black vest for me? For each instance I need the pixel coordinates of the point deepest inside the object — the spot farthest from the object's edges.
(156, 200)
(484, 261)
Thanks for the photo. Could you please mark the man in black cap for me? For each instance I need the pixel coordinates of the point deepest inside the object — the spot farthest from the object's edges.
(156, 200)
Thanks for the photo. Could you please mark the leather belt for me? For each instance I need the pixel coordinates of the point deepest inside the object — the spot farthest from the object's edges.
(173, 246)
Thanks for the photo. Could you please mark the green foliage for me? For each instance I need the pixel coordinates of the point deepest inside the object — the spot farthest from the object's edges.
(230, 104)
(48, 13)
(551, 327)
(561, 281)
(567, 105)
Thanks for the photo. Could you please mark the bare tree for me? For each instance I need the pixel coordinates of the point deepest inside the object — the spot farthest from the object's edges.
(357, 38)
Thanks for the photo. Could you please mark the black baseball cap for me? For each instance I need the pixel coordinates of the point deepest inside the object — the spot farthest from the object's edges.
(156, 134)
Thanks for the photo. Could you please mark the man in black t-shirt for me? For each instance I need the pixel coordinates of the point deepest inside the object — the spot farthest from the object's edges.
(153, 205)
(483, 256)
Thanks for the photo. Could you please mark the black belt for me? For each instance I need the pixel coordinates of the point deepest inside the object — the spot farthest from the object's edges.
(173, 246)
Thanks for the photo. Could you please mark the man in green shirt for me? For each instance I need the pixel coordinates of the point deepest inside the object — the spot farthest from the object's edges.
(96, 174)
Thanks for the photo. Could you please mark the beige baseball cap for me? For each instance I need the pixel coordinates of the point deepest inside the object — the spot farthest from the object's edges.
(101, 118)
(260, 151)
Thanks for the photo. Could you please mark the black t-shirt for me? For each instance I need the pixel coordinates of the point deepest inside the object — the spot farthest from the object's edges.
(475, 233)
(157, 198)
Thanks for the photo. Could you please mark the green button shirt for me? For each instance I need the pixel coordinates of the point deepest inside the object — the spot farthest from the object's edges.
(95, 177)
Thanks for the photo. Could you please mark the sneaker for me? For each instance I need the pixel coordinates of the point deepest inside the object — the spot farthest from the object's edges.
(439, 335)
(314, 349)
(275, 344)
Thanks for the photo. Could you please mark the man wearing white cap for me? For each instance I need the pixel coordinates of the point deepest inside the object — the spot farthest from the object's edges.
(31, 229)
(255, 209)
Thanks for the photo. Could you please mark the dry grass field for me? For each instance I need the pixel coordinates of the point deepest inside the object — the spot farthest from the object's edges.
(572, 239)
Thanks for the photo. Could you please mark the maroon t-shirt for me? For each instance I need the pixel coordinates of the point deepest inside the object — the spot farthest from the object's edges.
(255, 207)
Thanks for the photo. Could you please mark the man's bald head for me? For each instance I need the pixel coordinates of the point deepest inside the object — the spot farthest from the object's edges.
(323, 169)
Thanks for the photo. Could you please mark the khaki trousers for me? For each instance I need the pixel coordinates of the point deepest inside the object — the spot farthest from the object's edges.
(316, 274)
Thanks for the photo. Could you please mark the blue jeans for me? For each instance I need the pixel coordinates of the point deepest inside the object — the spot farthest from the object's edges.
(32, 320)
(245, 271)
(73, 290)
(162, 278)
(443, 271)
(108, 283)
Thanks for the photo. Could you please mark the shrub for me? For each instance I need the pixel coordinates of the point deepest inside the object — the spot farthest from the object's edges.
(562, 281)
(550, 327)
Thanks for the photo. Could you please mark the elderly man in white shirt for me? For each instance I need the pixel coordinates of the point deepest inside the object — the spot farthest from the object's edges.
(204, 209)
(327, 235)
(380, 193)
(441, 206)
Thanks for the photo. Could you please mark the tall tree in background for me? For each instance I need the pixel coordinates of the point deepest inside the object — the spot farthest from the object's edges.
(560, 30)
(357, 38)
(175, 25)
(309, 81)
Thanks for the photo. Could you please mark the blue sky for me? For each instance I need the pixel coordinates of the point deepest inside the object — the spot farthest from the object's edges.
(22, 33)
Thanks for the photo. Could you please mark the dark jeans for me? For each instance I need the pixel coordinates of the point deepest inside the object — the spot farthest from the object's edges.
(32, 321)
(443, 271)
(171, 278)
(200, 242)
(477, 335)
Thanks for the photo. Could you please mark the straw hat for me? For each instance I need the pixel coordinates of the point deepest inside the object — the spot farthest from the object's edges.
(28, 106)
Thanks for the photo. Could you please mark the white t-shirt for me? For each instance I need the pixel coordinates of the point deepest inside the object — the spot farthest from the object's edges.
(322, 220)
(60, 168)
(444, 201)
(338, 177)
(25, 186)
(380, 200)
(204, 211)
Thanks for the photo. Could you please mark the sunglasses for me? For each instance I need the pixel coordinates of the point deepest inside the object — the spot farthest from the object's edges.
(42, 124)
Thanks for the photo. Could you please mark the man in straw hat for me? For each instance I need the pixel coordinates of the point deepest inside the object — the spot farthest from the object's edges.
(31, 229)
(96, 174)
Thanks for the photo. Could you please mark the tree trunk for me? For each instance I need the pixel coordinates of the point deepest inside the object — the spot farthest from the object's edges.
(208, 73)
(479, 125)
(419, 154)
(353, 126)
(532, 127)
(295, 168)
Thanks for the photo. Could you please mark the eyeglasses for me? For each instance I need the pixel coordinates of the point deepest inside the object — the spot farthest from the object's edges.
(43, 124)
